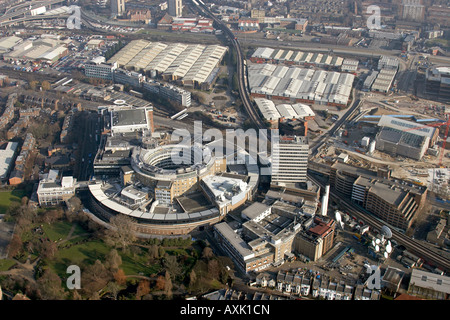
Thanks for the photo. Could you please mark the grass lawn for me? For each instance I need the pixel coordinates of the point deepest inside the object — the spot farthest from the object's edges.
(57, 230)
(5, 264)
(133, 266)
(6, 197)
(88, 252)
(85, 253)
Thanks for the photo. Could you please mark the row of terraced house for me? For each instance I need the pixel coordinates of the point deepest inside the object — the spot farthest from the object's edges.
(316, 286)
(17, 175)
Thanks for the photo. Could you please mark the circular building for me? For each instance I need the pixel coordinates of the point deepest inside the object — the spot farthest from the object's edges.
(174, 170)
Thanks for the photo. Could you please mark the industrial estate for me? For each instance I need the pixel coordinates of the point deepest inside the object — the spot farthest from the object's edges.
(224, 150)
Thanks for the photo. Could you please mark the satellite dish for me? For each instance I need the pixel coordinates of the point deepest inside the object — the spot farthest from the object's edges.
(386, 255)
(338, 217)
(373, 243)
(377, 248)
(389, 248)
(386, 231)
(377, 241)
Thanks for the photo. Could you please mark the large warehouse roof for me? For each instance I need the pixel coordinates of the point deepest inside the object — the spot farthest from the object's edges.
(298, 83)
(298, 57)
(181, 61)
(270, 111)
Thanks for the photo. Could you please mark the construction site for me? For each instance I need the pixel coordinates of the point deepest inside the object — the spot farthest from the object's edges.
(408, 137)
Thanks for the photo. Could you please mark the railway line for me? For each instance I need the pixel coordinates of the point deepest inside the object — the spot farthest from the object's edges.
(244, 90)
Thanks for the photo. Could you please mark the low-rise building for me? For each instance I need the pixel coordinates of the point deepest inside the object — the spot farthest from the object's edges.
(260, 243)
(7, 156)
(54, 190)
(429, 285)
(225, 192)
(392, 279)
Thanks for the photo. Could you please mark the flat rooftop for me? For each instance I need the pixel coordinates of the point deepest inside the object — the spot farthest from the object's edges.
(128, 117)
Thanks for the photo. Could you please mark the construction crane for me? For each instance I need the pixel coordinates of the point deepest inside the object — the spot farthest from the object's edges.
(447, 124)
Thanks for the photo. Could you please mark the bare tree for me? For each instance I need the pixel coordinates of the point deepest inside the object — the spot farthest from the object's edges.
(120, 277)
(168, 285)
(153, 252)
(48, 249)
(192, 279)
(213, 269)
(172, 266)
(50, 286)
(113, 261)
(15, 245)
(207, 253)
(95, 277)
(121, 234)
(143, 288)
(113, 288)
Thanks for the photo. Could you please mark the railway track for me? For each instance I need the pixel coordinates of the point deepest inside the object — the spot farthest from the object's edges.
(244, 90)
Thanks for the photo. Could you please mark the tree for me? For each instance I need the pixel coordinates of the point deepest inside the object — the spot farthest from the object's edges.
(74, 204)
(121, 234)
(33, 85)
(160, 283)
(48, 249)
(207, 253)
(46, 85)
(113, 261)
(120, 277)
(50, 286)
(143, 288)
(75, 295)
(153, 252)
(15, 245)
(172, 266)
(113, 288)
(161, 251)
(95, 277)
(213, 269)
(168, 285)
(192, 279)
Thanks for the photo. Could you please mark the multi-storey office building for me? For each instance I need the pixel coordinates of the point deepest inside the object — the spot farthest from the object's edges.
(394, 202)
(169, 92)
(290, 160)
(100, 70)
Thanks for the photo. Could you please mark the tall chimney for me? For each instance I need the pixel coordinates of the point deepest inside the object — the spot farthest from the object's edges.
(325, 197)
